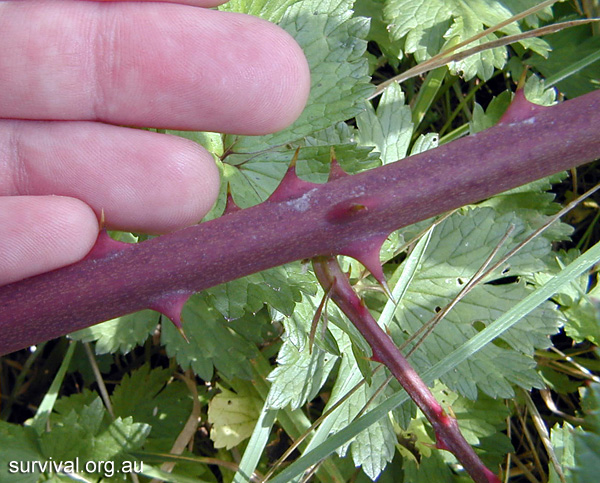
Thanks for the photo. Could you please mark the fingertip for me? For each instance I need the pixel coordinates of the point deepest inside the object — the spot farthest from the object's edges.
(287, 74)
(186, 192)
(42, 233)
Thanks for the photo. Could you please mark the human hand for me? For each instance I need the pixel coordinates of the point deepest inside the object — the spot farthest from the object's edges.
(72, 72)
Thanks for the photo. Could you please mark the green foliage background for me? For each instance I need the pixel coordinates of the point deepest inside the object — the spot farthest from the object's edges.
(257, 374)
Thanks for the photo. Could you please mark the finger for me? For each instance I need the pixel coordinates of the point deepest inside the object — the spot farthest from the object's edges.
(143, 181)
(149, 64)
(195, 3)
(43, 233)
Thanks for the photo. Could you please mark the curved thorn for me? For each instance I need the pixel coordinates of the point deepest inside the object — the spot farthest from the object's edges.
(291, 186)
(182, 332)
(521, 110)
(366, 251)
(106, 246)
(230, 205)
(335, 170)
(171, 305)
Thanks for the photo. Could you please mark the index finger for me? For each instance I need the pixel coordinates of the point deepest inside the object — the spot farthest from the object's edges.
(149, 64)
(196, 3)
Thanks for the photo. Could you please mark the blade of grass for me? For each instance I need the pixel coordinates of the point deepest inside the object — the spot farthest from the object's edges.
(256, 445)
(427, 94)
(41, 416)
(572, 69)
(462, 106)
(407, 272)
(294, 423)
(576, 268)
(455, 134)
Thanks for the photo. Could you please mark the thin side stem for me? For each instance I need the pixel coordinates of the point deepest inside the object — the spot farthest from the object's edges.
(447, 432)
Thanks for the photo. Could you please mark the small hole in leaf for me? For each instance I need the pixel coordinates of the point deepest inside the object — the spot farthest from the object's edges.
(460, 281)
(437, 309)
(504, 280)
(506, 270)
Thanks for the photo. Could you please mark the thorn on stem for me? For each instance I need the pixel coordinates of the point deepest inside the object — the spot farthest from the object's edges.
(171, 306)
(520, 109)
(291, 186)
(230, 205)
(106, 246)
(182, 332)
(367, 252)
(335, 170)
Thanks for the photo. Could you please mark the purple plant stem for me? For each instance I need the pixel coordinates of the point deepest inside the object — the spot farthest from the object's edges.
(325, 220)
(447, 432)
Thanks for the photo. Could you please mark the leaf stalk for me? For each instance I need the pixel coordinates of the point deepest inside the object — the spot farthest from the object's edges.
(447, 432)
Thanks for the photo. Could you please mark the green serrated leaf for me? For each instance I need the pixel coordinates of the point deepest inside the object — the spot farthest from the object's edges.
(150, 396)
(253, 179)
(378, 32)
(120, 438)
(374, 448)
(424, 24)
(72, 435)
(87, 433)
(535, 92)
(420, 23)
(583, 316)
(579, 301)
(233, 417)
(74, 402)
(211, 344)
(432, 468)
(121, 334)
(269, 10)
(457, 249)
(19, 449)
(425, 142)
(333, 42)
(300, 373)
(279, 287)
(481, 64)
(298, 376)
(485, 119)
(390, 128)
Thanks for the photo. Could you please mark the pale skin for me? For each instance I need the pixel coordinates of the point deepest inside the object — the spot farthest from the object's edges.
(73, 72)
